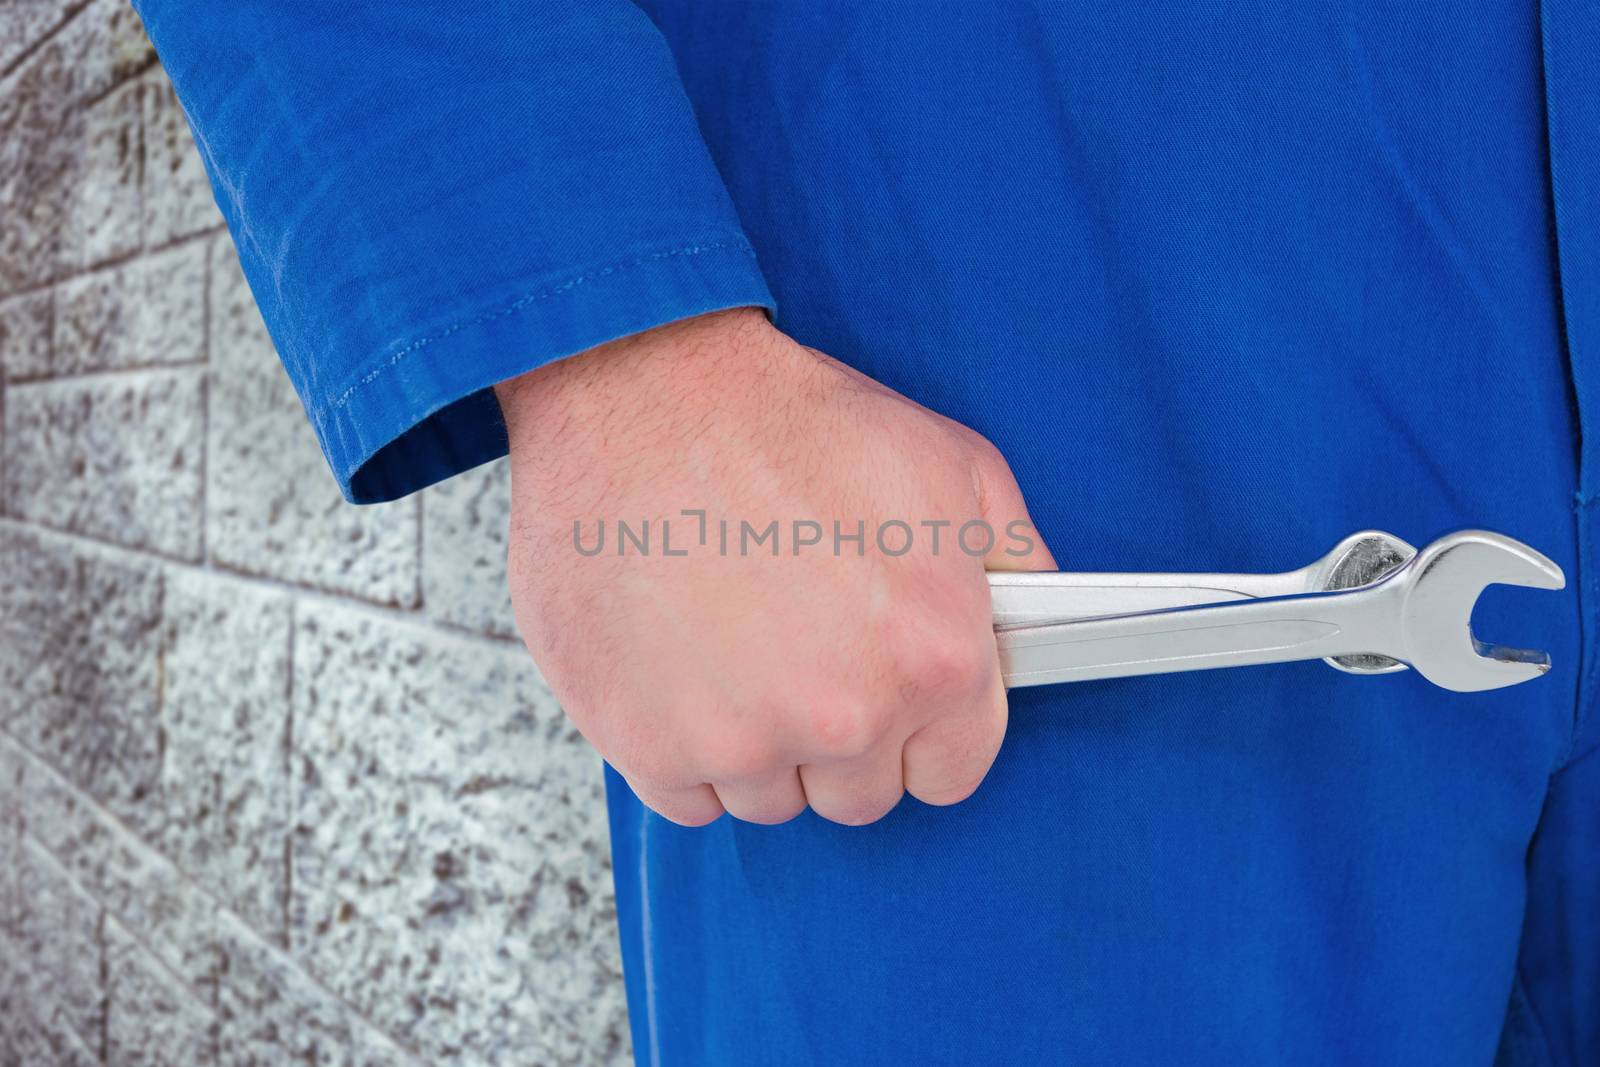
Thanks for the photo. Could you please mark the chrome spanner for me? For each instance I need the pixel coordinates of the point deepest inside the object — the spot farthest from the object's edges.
(1038, 597)
(1066, 627)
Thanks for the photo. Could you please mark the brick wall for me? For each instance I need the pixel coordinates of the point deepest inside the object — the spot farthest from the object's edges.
(277, 783)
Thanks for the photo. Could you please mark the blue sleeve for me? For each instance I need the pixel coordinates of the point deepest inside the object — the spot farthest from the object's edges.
(429, 198)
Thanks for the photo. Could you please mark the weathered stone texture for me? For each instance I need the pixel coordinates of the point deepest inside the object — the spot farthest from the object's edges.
(79, 644)
(272, 507)
(272, 1013)
(59, 939)
(37, 161)
(49, 1042)
(117, 868)
(225, 718)
(102, 209)
(25, 325)
(152, 1018)
(27, 22)
(10, 842)
(15, 1004)
(274, 788)
(107, 46)
(148, 312)
(176, 194)
(60, 132)
(450, 860)
(117, 458)
(465, 521)
(84, 48)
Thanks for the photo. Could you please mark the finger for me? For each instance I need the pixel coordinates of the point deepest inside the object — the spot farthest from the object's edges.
(1017, 545)
(693, 805)
(855, 791)
(947, 759)
(771, 800)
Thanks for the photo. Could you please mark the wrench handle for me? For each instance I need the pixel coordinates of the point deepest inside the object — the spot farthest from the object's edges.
(1271, 630)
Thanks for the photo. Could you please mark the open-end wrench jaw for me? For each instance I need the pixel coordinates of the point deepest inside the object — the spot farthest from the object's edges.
(1439, 588)
(1419, 612)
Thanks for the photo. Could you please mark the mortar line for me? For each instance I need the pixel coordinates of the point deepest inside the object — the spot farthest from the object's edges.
(80, 884)
(106, 910)
(111, 263)
(105, 975)
(405, 617)
(29, 51)
(220, 907)
(290, 792)
(94, 374)
(205, 400)
(5, 483)
(141, 92)
(146, 65)
(208, 271)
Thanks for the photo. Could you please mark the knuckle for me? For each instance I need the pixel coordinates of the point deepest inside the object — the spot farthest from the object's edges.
(736, 755)
(986, 460)
(845, 728)
(988, 455)
(943, 662)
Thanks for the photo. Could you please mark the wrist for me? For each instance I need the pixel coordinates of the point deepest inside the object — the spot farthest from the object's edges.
(625, 393)
(691, 347)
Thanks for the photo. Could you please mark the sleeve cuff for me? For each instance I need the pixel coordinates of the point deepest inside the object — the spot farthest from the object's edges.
(426, 409)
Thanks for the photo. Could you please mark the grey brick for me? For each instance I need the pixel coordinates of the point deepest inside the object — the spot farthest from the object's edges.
(83, 58)
(176, 193)
(79, 637)
(25, 324)
(272, 1012)
(127, 876)
(107, 46)
(51, 1043)
(147, 312)
(26, 21)
(46, 135)
(152, 1018)
(10, 844)
(117, 457)
(102, 210)
(59, 936)
(273, 507)
(451, 871)
(16, 1005)
(224, 715)
(38, 157)
(465, 522)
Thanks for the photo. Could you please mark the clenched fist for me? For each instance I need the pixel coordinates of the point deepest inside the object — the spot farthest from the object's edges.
(755, 578)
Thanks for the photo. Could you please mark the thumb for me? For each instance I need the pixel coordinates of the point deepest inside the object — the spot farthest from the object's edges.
(1018, 545)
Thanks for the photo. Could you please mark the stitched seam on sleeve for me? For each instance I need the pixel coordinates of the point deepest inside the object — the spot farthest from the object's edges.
(523, 302)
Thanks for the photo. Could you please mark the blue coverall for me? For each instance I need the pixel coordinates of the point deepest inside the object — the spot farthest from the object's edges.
(1224, 282)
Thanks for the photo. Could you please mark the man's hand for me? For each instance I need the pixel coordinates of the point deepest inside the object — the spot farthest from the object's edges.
(839, 673)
